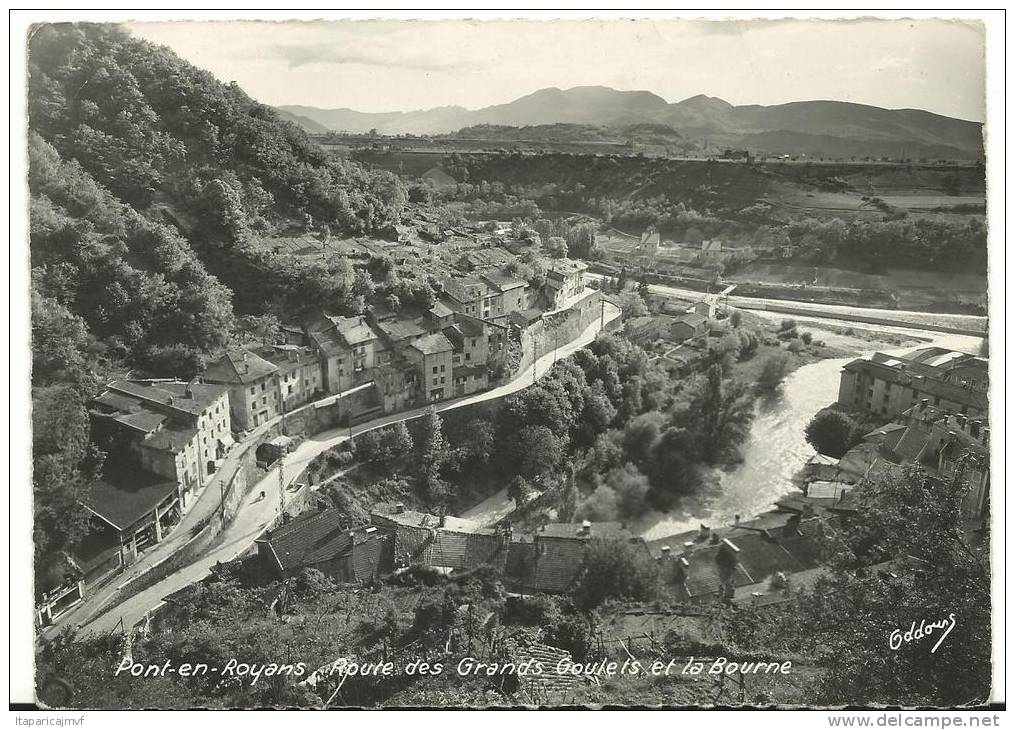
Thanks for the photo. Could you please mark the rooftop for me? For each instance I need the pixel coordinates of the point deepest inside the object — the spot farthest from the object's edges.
(190, 398)
(239, 367)
(125, 495)
(465, 289)
(310, 538)
(503, 280)
(171, 438)
(567, 267)
(433, 344)
(694, 319)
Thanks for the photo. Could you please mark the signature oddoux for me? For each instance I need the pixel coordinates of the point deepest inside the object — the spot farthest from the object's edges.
(926, 628)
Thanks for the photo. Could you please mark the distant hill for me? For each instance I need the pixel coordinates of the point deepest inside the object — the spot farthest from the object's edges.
(307, 123)
(830, 128)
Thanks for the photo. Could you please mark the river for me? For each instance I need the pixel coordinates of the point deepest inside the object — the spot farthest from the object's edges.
(776, 449)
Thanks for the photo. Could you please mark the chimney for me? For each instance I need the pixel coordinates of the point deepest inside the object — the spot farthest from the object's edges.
(586, 527)
(399, 508)
(703, 532)
(792, 526)
(170, 401)
(736, 519)
(974, 428)
(664, 552)
(444, 520)
(924, 402)
(286, 518)
(680, 571)
(985, 436)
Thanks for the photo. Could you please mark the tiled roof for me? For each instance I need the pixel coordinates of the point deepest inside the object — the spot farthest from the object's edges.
(286, 357)
(143, 420)
(433, 344)
(907, 445)
(465, 290)
(172, 395)
(110, 400)
(694, 319)
(401, 329)
(567, 267)
(320, 537)
(124, 495)
(558, 564)
(441, 310)
(503, 280)
(353, 330)
(173, 439)
(469, 326)
(576, 530)
(239, 367)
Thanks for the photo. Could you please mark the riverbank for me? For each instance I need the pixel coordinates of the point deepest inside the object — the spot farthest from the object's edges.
(776, 448)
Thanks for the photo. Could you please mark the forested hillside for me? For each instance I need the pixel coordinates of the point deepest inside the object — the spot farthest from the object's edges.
(150, 184)
(170, 144)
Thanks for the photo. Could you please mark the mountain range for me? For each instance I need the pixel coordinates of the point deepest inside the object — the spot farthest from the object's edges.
(829, 128)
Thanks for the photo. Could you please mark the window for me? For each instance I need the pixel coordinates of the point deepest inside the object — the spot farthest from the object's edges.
(435, 381)
(473, 341)
(252, 390)
(264, 386)
(264, 401)
(442, 368)
(435, 369)
(468, 356)
(442, 381)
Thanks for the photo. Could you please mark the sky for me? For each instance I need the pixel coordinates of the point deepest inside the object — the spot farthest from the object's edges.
(376, 66)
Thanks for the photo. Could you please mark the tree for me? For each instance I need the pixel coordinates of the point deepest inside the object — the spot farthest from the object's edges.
(396, 442)
(537, 452)
(832, 433)
(846, 621)
(615, 569)
(555, 247)
(716, 413)
(433, 455)
(773, 370)
(65, 462)
(631, 304)
(520, 490)
(480, 441)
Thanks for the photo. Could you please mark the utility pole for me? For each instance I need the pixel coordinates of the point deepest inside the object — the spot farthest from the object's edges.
(281, 458)
(535, 357)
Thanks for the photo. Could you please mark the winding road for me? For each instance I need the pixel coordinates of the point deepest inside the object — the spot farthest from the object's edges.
(256, 513)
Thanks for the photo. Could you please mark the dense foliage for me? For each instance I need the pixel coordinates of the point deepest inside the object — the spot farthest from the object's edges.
(847, 618)
(691, 201)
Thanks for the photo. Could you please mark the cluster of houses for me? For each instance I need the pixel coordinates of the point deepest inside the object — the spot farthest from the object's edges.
(935, 401)
(410, 356)
(737, 563)
(166, 439)
(549, 560)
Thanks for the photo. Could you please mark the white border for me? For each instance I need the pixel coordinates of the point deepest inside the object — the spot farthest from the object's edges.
(20, 616)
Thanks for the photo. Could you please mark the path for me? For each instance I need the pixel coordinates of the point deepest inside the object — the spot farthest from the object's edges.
(255, 513)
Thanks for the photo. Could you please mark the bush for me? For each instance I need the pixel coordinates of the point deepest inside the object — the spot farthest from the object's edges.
(773, 371)
(833, 433)
(795, 346)
(806, 337)
(616, 569)
(787, 324)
